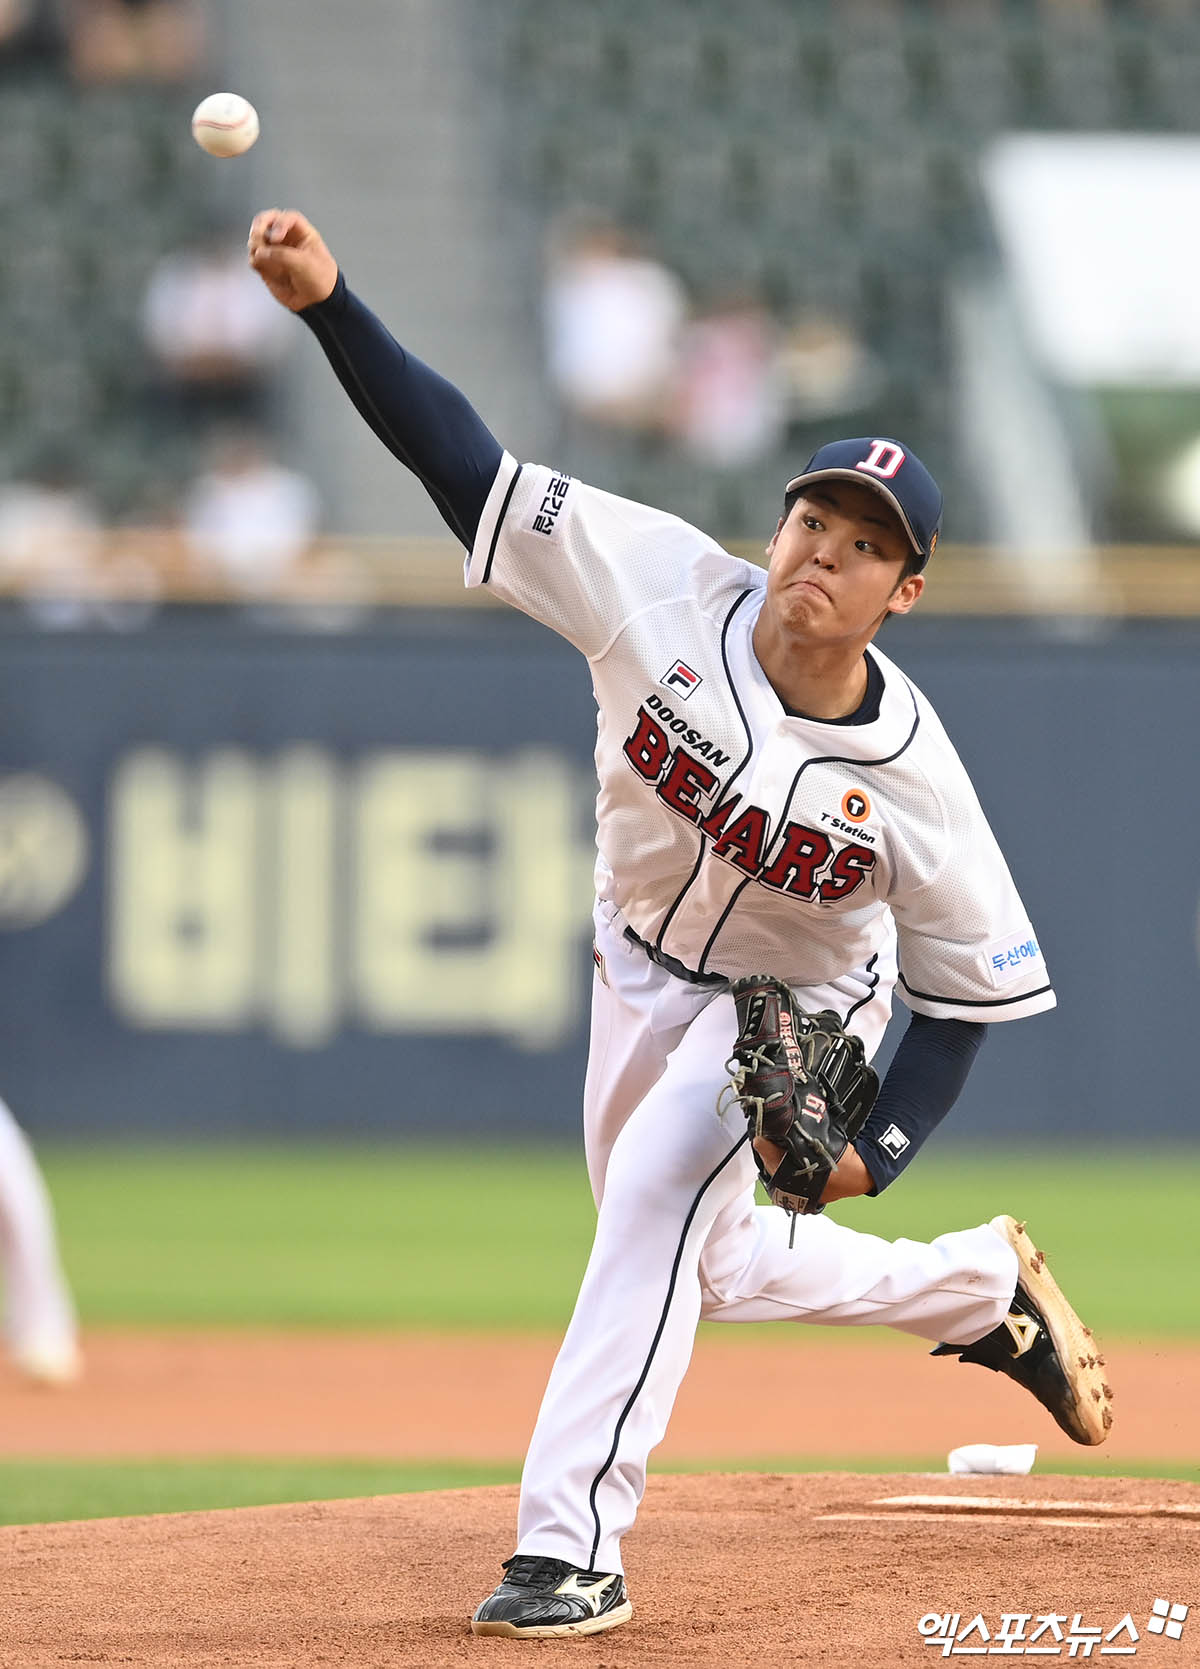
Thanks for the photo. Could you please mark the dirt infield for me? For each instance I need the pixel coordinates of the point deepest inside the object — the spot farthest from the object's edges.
(724, 1570)
(474, 1398)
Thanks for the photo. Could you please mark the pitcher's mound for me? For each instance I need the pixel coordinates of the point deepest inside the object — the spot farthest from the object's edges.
(835, 1569)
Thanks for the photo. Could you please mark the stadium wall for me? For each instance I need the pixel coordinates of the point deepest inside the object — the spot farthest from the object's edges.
(256, 881)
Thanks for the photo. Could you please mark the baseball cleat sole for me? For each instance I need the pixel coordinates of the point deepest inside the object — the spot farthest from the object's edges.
(555, 1631)
(1086, 1410)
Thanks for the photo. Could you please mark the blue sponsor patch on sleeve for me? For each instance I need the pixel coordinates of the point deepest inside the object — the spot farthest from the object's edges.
(1008, 959)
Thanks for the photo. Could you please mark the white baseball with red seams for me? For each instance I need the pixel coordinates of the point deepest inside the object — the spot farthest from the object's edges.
(225, 124)
(734, 837)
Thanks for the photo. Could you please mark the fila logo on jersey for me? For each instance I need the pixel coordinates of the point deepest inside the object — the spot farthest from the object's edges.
(805, 864)
(681, 677)
(893, 1141)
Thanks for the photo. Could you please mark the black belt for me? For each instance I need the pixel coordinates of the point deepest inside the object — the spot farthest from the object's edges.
(671, 964)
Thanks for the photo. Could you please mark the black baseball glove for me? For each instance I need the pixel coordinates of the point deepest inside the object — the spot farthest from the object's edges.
(803, 1082)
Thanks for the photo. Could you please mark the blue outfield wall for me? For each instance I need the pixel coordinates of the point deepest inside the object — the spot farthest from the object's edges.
(262, 882)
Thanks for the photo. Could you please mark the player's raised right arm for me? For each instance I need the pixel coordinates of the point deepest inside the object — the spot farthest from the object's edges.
(292, 258)
(423, 420)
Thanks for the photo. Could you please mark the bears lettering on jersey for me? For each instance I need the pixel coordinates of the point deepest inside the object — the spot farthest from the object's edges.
(686, 778)
(803, 853)
(743, 841)
(805, 865)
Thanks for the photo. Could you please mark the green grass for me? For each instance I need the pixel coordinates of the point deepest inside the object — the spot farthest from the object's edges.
(48, 1491)
(301, 1235)
(1122, 1233)
(45, 1492)
(318, 1236)
(312, 1236)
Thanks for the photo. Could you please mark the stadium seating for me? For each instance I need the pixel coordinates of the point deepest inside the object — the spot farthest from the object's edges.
(821, 153)
(94, 184)
(824, 152)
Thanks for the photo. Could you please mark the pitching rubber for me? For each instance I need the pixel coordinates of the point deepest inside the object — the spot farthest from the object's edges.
(1076, 1347)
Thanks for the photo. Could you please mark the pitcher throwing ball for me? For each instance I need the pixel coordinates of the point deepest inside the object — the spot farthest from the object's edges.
(785, 836)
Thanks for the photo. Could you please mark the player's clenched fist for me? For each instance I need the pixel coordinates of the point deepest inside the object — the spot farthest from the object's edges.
(290, 256)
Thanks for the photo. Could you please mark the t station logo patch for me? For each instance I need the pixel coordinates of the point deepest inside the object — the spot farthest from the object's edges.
(680, 678)
(855, 810)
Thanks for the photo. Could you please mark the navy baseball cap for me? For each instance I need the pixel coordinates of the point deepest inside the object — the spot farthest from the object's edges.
(893, 471)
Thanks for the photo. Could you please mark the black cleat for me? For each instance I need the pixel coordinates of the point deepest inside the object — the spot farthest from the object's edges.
(1043, 1345)
(542, 1598)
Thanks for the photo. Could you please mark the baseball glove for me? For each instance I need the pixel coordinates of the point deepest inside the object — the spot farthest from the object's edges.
(803, 1082)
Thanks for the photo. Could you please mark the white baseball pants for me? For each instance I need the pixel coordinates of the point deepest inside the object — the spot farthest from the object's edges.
(678, 1237)
(39, 1316)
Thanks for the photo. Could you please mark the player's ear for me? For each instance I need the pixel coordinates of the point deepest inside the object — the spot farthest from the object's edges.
(905, 596)
(775, 537)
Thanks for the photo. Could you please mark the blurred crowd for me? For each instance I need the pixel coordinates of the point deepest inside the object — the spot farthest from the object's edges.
(220, 516)
(104, 41)
(243, 531)
(721, 378)
(237, 525)
(229, 520)
(148, 452)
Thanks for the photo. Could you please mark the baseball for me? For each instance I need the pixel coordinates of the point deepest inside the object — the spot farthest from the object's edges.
(225, 124)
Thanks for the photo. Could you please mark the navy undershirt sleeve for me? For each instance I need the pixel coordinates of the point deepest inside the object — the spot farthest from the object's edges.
(923, 1082)
(420, 417)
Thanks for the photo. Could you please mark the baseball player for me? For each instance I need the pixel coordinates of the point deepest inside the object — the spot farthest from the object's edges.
(773, 793)
(39, 1323)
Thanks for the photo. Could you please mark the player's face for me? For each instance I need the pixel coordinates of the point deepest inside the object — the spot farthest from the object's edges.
(836, 564)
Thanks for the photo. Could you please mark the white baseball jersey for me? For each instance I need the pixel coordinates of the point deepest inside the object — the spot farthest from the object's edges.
(734, 836)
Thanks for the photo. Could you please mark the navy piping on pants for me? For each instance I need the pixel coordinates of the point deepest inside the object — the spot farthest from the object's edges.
(658, 1332)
